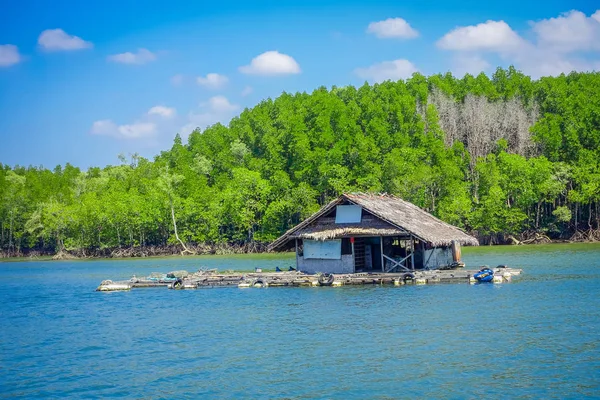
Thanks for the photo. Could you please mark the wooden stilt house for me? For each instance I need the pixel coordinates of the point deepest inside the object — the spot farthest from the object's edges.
(360, 232)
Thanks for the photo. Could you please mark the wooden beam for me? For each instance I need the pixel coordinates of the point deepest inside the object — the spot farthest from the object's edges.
(412, 253)
(382, 260)
(353, 255)
(396, 264)
(296, 253)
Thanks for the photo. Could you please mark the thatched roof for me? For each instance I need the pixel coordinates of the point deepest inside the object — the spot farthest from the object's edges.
(391, 216)
(326, 228)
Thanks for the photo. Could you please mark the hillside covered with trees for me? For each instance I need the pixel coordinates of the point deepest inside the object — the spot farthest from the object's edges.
(501, 156)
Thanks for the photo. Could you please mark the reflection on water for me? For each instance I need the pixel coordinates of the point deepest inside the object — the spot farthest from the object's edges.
(533, 338)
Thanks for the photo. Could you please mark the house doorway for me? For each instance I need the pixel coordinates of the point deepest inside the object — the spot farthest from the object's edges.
(367, 254)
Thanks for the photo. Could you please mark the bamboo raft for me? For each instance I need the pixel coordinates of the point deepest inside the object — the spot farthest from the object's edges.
(204, 279)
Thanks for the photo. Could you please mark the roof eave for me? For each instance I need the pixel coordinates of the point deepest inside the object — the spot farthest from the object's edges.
(286, 237)
(283, 241)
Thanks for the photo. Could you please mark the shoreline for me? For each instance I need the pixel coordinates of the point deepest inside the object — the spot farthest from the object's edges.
(52, 257)
(137, 252)
(169, 253)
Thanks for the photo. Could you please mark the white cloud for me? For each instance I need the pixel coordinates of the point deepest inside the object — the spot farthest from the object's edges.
(220, 104)
(212, 80)
(569, 32)
(104, 127)
(247, 91)
(145, 130)
(137, 130)
(217, 109)
(555, 50)
(177, 80)
(549, 67)
(162, 111)
(271, 63)
(487, 36)
(469, 64)
(142, 56)
(392, 28)
(392, 70)
(9, 55)
(59, 40)
(543, 63)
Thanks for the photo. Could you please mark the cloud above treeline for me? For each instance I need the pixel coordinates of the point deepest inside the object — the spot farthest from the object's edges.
(572, 31)
(271, 63)
(166, 112)
(558, 45)
(387, 70)
(487, 36)
(137, 130)
(216, 109)
(146, 127)
(160, 120)
(390, 28)
(551, 46)
(212, 80)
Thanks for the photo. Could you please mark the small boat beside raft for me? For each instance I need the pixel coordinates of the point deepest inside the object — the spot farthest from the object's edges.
(484, 275)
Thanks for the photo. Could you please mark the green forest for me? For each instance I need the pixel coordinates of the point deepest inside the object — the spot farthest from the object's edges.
(500, 157)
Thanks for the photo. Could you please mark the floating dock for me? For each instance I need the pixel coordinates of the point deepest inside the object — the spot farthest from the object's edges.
(203, 279)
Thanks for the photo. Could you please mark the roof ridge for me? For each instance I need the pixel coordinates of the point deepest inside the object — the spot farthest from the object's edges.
(395, 211)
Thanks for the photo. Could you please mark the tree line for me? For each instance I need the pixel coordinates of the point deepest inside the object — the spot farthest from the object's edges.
(498, 156)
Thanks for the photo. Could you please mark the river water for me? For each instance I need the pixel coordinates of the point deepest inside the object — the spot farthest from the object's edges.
(536, 337)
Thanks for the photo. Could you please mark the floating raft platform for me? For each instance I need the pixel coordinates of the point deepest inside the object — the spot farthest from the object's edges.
(202, 279)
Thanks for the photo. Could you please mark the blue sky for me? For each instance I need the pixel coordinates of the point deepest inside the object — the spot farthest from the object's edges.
(83, 82)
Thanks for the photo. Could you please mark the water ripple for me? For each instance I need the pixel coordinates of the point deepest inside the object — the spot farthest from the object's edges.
(534, 338)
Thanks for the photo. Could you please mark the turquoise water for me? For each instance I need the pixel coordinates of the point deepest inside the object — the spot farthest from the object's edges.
(536, 337)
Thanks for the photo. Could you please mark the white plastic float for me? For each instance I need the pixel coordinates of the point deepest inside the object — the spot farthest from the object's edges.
(110, 286)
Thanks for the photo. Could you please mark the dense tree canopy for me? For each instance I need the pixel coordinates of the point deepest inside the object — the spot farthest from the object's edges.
(496, 156)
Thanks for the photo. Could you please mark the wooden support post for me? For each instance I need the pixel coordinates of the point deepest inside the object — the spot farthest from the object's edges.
(382, 260)
(353, 255)
(412, 254)
(297, 255)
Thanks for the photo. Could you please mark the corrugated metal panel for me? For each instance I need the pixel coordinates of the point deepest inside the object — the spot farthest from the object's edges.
(324, 250)
(348, 214)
